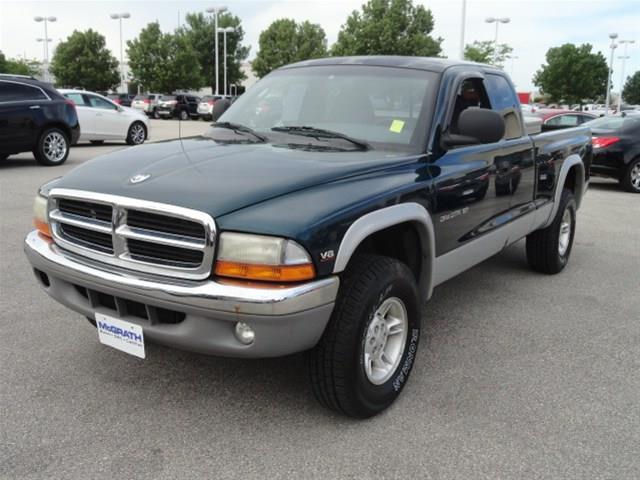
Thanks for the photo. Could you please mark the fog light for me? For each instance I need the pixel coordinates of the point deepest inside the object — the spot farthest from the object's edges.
(244, 333)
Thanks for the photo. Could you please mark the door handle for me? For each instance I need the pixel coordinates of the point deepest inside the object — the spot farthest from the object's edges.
(34, 107)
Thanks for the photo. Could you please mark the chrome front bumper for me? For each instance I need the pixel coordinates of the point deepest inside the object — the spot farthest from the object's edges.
(286, 319)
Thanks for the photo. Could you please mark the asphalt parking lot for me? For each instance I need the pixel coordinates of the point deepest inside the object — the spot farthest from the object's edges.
(519, 375)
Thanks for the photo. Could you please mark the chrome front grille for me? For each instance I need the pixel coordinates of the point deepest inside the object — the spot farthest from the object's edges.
(136, 234)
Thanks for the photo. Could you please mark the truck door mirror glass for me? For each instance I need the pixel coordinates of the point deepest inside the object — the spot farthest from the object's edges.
(477, 125)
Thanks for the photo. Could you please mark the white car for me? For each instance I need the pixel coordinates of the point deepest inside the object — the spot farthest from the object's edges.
(101, 119)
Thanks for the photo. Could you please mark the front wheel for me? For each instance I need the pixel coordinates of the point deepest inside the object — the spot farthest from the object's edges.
(184, 115)
(630, 180)
(52, 147)
(548, 249)
(367, 351)
(155, 114)
(137, 134)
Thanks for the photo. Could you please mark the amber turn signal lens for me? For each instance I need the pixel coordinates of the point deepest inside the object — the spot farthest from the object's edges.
(42, 227)
(268, 273)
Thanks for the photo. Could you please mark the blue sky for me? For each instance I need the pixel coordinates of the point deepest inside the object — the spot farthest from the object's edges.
(535, 25)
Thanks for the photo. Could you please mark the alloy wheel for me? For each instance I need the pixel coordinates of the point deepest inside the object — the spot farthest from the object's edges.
(385, 340)
(55, 147)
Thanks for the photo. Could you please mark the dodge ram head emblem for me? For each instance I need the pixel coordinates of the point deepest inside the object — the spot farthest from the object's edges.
(139, 178)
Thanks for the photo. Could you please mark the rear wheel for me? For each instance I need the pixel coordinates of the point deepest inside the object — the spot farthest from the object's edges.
(52, 147)
(155, 114)
(630, 180)
(548, 249)
(137, 134)
(184, 115)
(366, 353)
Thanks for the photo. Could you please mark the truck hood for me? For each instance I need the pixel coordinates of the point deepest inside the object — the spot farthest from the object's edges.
(217, 178)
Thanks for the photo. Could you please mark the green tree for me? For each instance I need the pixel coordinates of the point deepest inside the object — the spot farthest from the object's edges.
(573, 74)
(286, 41)
(388, 27)
(631, 90)
(19, 66)
(164, 62)
(483, 52)
(84, 60)
(199, 32)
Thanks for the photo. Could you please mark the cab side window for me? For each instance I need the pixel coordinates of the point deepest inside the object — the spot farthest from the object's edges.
(471, 94)
(76, 98)
(97, 102)
(505, 102)
(564, 121)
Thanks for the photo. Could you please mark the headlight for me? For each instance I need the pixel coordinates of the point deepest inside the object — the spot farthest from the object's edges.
(258, 257)
(40, 218)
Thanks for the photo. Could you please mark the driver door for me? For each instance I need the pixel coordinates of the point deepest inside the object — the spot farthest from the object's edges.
(470, 198)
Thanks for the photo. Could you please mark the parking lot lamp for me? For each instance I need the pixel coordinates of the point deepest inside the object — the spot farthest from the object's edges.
(216, 11)
(613, 37)
(624, 57)
(497, 21)
(119, 17)
(46, 46)
(224, 32)
(44, 53)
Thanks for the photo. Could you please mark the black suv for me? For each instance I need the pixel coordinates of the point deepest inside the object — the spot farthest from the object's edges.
(181, 106)
(35, 117)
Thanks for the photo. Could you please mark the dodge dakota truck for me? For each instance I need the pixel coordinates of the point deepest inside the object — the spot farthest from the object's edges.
(316, 215)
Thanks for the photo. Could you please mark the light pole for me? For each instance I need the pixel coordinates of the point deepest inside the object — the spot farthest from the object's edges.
(613, 37)
(46, 40)
(119, 17)
(497, 21)
(624, 57)
(224, 32)
(216, 11)
(463, 25)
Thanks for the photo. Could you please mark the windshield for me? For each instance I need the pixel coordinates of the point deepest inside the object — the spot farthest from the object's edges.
(384, 107)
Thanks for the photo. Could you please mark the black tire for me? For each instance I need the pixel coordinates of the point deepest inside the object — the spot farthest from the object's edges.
(544, 253)
(97, 142)
(43, 152)
(184, 115)
(155, 114)
(630, 179)
(336, 365)
(137, 134)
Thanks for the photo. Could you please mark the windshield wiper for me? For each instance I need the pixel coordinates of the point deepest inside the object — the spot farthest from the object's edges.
(321, 133)
(237, 128)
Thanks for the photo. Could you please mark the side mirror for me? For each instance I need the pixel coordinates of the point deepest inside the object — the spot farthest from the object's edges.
(477, 125)
(219, 108)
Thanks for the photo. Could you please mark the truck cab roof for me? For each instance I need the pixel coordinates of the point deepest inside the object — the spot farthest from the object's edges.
(431, 64)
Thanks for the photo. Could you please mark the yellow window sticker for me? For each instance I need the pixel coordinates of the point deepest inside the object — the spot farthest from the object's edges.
(396, 126)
